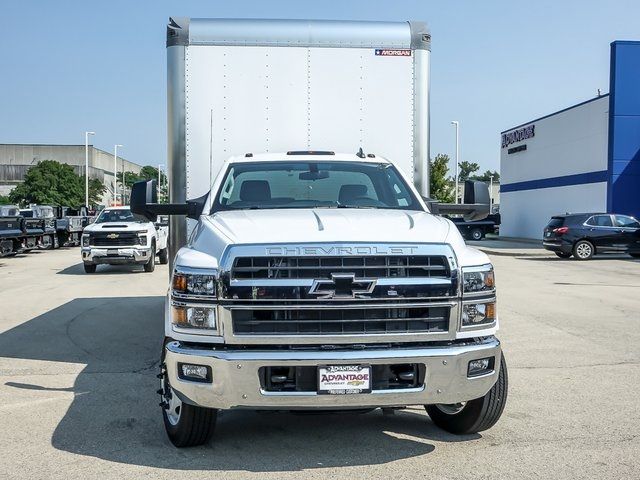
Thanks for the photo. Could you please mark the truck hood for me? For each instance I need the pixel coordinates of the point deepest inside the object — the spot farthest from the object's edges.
(116, 227)
(329, 225)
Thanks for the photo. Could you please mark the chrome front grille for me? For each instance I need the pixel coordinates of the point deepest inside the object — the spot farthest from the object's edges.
(321, 267)
(314, 294)
(341, 321)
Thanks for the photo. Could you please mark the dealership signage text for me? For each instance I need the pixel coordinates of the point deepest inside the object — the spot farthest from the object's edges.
(518, 135)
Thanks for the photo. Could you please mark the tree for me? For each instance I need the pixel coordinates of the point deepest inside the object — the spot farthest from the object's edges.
(466, 169)
(96, 191)
(440, 186)
(4, 200)
(53, 183)
(486, 176)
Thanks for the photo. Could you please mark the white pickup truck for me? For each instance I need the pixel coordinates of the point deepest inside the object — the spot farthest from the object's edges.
(313, 279)
(120, 237)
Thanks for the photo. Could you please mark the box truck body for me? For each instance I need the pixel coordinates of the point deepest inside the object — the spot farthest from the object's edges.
(241, 86)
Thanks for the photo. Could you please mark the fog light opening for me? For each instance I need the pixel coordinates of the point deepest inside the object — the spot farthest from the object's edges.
(481, 366)
(194, 373)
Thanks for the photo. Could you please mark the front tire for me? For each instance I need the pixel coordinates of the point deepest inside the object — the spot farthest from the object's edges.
(163, 256)
(475, 415)
(150, 266)
(186, 425)
(89, 268)
(583, 250)
(563, 254)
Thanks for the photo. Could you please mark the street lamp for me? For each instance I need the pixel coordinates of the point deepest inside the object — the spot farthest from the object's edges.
(457, 125)
(159, 178)
(86, 167)
(115, 172)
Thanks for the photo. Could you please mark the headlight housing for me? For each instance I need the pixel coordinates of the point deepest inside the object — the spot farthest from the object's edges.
(192, 283)
(142, 237)
(478, 298)
(478, 280)
(193, 316)
(85, 239)
(478, 314)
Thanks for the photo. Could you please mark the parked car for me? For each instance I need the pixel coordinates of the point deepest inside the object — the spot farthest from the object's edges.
(477, 229)
(585, 234)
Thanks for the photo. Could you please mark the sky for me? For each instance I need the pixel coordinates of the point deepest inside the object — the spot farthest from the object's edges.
(72, 66)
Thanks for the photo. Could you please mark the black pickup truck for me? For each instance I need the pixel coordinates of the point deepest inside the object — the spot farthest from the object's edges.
(477, 229)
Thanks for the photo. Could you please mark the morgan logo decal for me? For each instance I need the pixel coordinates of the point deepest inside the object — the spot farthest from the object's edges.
(342, 285)
(403, 52)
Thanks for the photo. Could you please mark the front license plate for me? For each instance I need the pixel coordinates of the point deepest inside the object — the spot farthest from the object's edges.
(344, 379)
(112, 253)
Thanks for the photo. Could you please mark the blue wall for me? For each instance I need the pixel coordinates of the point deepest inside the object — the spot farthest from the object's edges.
(624, 129)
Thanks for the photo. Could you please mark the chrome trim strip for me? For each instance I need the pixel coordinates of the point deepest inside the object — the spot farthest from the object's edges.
(315, 394)
(226, 323)
(340, 307)
(307, 282)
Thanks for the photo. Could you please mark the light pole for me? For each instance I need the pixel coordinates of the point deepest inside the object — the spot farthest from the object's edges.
(115, 172)
(457, 125)
(159, 178)
(86, 167)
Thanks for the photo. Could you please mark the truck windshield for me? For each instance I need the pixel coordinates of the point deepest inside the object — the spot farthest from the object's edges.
(268, 185)
(119, 216)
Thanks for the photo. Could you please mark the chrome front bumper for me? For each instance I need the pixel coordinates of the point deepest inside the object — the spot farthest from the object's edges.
(236, 382)
(97, 255)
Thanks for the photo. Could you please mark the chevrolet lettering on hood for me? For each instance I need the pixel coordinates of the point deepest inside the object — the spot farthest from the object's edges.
(343, 250)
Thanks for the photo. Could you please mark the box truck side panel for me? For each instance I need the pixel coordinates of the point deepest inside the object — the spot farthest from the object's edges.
(239, 100)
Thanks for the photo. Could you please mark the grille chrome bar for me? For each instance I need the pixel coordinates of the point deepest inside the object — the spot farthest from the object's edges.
(318, 267)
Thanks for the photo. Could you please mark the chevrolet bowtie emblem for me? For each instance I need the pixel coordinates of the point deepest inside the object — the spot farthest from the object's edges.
(113, 235)
(342, 285)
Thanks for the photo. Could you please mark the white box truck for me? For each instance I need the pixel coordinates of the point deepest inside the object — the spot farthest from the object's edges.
(306, 278)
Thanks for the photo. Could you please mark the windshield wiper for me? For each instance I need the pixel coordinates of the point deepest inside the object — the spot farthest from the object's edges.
(340, 205)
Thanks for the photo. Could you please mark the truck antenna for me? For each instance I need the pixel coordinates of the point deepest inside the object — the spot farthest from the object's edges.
(360, 153)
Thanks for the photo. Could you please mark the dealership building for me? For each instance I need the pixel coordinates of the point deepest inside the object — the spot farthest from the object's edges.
(585, 158)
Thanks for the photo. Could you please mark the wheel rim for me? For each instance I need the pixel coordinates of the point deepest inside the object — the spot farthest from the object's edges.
(174, 407)
(583, 250)
(451, 408)
(476, 235)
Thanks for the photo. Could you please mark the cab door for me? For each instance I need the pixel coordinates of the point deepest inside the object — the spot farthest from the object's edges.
(630, 230)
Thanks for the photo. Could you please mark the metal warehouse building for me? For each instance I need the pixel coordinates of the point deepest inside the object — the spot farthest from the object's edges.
(581, 159)
(16, 159)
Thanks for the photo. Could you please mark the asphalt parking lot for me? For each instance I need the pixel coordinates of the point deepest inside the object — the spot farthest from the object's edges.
(79, 353)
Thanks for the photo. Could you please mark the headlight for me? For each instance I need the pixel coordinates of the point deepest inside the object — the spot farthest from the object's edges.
(478, 314)
(85, 240)
(194, 283)
(193, 317)
(478, 279)
(142, 240)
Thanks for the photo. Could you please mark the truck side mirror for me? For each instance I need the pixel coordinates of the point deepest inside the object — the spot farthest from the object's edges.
(144, 194)
(144, 201)
(476, 192)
